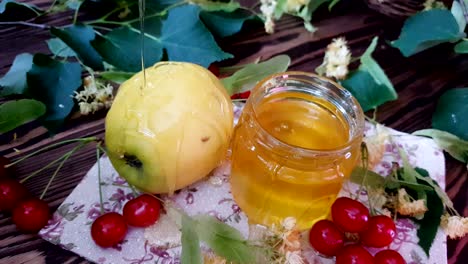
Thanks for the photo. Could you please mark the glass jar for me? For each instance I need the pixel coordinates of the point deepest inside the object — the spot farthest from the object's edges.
(297, 140)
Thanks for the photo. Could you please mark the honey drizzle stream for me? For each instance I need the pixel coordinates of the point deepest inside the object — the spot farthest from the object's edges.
(141, 14)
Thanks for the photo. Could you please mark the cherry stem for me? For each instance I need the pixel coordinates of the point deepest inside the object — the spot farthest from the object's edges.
(38, 171)
(64, 159)
(135, 193)
(98, 154)
(84, 140)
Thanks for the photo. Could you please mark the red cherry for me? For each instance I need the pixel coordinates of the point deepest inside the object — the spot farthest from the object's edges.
(213, 68)
(380, 232)
(109, 229)
(389, 256)
(11, 193)
(243, 95)
(31, 215)
(142, 211)
(350, 215)
(4, 172)
(354, 254)
(326, 238)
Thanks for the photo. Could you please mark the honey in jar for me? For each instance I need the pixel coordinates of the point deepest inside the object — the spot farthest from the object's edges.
(297, 140)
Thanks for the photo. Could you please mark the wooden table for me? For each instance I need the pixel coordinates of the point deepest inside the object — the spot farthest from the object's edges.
(419, 80)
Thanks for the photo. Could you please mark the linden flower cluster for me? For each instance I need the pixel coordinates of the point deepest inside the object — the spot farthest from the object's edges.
(267, 7)
(295, 5)
(336, 60)
(454, 226)
(95, 96)
(408, 206)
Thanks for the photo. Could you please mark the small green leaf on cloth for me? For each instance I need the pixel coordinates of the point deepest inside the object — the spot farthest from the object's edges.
(117, 77)
(462, 47)
(191, 253)
(15, 11)
(16, 113)
(367, 91)
(59, 48)
(14, 81)
(223, 24)
(454, 145)
(53, 83)
(252, 73)
(451, 113)
(224, 240)
(427, 29)
(78, 38)
(373, 180)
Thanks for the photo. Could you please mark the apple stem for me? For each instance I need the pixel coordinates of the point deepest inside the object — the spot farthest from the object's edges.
(83, 140)
(98, 154)
(64, 158)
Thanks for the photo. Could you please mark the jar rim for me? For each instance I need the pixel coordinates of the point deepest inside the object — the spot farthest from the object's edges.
(310, 78)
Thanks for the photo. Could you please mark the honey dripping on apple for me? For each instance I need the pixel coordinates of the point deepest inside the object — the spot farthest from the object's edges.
(141, 14)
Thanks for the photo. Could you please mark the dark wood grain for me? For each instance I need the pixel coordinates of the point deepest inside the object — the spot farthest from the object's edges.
(419, 80)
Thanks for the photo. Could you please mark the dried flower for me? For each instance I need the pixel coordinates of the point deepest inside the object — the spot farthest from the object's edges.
(376, 145)
(408, 206)
(267, 8)
(454, 226)
(294, 257)
(336, 60)
(94, 96)
(433, 4)
(378, 198)
(210, 258)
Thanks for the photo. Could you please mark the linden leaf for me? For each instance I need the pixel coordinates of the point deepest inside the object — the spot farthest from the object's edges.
(14, 81)
(210, 5)
(59, 48)
(191, 253)
(185, 38)
(252, 73)
(427, 29)
(121, 48)
(224, 240)
(367, 91)
(16, 113)
(451, 112)
(11, 10)
(373, 180)
(454, 145)
(224, 24)
(462, 47)
(53, 82)
(78, 38)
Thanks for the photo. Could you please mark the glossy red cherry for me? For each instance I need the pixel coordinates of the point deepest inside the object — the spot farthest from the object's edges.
(388, 256)
(326, 238)
(11, 193)
(4, 172)
(243, 95)
(31, 215)
(379, 233)
(109, 229)
(350, 215)
(354, 254)
(142, 211)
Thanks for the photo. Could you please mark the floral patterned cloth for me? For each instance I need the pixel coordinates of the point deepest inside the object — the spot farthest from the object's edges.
(70, 224)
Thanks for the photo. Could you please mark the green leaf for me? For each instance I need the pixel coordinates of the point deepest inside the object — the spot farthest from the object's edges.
(59, 48)
(373, 68)
(210, 5)
(224, 240)
(332, 4)
(427, 29)
(191, 253)
(74, 4)
(13, 10)
(14, 81)
(252, 73)
(185, 38)
(224, 24)
(16, 113)
(451, 113)
(373, 179)
(457, 13)
(53, 82)
(78, 38)
(462, 47)
(308, 10)
(454, 145)
(367, 91)
(117, 77)
(121, 48)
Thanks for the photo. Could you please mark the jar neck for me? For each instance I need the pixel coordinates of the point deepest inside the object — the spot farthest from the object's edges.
(313, 86)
